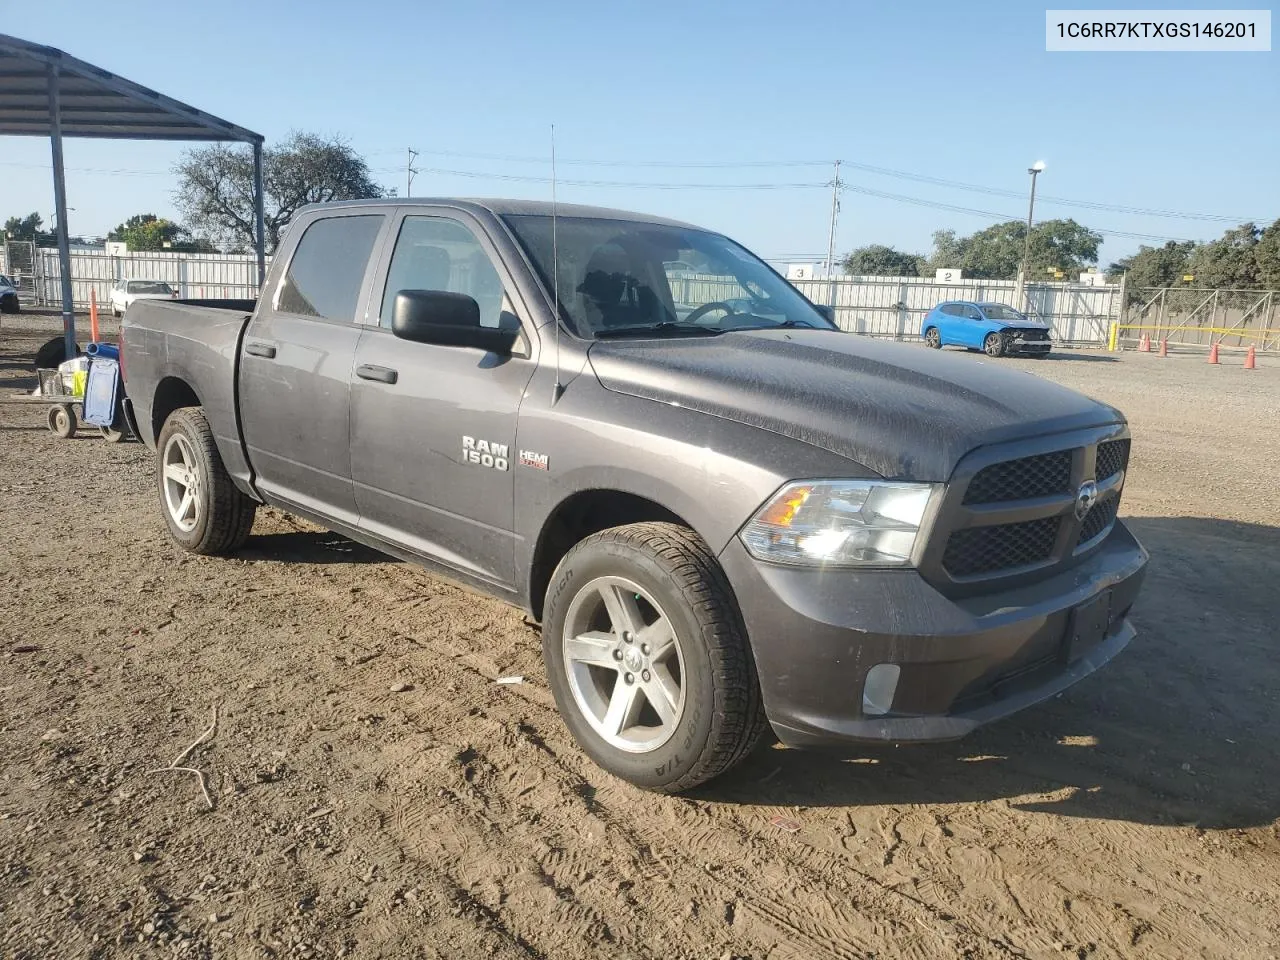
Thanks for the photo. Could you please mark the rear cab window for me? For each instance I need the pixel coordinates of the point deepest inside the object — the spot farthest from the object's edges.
(328, 267)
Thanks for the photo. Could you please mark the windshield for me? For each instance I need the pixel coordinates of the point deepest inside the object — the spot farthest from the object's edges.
(998, 311)
(627, 278)
(149, 286)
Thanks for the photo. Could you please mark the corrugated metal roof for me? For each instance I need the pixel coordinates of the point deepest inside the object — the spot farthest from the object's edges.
(94, 102)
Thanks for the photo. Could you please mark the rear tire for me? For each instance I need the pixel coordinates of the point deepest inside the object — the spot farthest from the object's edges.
(694, 707)
(111, 434)
(993, 345)
(205, 511)
(933, 339)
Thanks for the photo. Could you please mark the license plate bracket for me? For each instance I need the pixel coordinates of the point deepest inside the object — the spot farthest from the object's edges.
(1086, 626)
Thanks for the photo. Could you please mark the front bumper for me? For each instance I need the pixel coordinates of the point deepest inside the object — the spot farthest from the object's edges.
(963, 662)
(1028, 347)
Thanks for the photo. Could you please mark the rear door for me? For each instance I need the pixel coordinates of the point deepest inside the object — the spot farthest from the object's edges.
(973, 326)
(949, 323)
(296, 362)
(433, 428)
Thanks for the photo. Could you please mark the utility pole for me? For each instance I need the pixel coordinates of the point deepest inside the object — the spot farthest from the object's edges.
(835, 211)
(410, 172)
(831, 238)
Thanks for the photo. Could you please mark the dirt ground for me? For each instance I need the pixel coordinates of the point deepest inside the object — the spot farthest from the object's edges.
(378, 795)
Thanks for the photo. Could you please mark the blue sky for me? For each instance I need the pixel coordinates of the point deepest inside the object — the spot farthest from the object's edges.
(951, 91)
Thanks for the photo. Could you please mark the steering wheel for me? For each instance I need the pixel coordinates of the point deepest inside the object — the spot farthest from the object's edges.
(697, 314)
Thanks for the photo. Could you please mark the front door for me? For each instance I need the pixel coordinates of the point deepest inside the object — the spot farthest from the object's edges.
(295, 370)
(433, 428)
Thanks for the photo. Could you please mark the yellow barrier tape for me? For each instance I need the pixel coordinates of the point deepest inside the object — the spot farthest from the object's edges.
(1229, 331)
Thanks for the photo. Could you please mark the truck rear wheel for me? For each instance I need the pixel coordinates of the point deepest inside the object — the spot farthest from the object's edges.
(647, 658)
(204, 510)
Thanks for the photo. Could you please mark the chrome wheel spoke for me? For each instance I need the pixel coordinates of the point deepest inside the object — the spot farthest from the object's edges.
(624, 708)
(624, 613)
(660, 638)
(594, 649)
(663, 694)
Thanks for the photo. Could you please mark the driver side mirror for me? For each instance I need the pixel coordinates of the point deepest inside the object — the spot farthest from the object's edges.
(446, 319)
(828, 312)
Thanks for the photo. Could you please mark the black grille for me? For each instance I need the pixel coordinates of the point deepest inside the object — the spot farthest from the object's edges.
(1033, 334)
(983, 549)
(1113, 456)
(1099, 519)
(1040, 476)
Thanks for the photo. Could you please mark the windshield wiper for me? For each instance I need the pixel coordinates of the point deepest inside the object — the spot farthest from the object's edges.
(658, 330)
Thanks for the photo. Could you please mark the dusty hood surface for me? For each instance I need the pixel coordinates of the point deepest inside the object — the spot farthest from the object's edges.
(906, 412)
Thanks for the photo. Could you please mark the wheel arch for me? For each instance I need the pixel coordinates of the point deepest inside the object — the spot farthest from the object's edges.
(575, 518)
(171, 393)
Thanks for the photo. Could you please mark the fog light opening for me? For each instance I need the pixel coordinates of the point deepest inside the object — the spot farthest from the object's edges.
(878, 689)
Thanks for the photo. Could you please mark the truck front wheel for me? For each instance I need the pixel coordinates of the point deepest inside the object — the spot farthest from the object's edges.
(647, 658)
(204, 510)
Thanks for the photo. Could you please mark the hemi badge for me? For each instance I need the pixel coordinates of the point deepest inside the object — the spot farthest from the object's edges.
(538, 461)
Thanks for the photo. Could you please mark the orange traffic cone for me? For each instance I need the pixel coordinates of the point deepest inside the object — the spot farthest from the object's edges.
(1250, 359)
(1144, 345)
(1164, 348)
(1213, 353)
(93, 315)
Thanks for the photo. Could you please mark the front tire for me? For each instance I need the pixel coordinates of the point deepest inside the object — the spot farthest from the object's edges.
(62, 421)
(647, 657)
(993, 345)
(204, 510)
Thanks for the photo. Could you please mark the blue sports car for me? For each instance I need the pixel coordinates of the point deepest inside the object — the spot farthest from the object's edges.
(994, 328)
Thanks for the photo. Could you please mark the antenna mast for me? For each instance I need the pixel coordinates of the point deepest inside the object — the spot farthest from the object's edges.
(555, 267)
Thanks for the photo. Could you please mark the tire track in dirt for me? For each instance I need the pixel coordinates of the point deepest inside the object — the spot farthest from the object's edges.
(824, 925)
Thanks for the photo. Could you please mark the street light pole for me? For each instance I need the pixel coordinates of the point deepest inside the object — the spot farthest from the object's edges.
(1035, 170)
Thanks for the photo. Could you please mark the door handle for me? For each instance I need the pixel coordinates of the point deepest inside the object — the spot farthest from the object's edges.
(369, 371)
(255, 349)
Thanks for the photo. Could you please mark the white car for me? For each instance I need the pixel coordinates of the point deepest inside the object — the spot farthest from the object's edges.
(124, 292)
(8, 296)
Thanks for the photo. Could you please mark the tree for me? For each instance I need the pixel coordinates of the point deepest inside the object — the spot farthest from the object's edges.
(996, 252)
(878, 260)
(28, 228)
(215, 191)
(1230, 262)
(1155, 266)
(146, 231)
(1267, 253)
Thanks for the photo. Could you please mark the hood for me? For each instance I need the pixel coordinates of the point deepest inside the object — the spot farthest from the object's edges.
(1027, 324)
(903, 411)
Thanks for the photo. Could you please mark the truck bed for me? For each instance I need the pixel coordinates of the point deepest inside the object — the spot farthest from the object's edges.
(168, 343)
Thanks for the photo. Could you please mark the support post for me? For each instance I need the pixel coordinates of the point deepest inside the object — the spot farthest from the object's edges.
(60, 211)
(259, 218)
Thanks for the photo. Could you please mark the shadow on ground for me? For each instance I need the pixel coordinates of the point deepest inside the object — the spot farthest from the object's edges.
(1181, 728)
(309, 547)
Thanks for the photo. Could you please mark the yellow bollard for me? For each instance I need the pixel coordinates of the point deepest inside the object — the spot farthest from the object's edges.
(1111, 336)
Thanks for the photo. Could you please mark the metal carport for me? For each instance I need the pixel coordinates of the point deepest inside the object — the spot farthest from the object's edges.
(45, 92)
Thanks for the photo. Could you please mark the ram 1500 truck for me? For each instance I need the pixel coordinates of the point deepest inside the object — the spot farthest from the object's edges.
(725, 512)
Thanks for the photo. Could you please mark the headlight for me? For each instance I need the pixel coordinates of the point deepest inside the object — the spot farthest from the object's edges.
(841, 523)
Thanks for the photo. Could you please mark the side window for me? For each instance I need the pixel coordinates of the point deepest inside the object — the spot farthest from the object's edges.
(951, 309)
(327, 268)
(432, 253)
(973, 313)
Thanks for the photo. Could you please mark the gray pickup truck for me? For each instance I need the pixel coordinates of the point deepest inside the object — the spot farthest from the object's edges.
(725, 513)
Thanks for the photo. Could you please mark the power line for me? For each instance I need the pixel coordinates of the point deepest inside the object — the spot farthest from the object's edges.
(865, 167)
